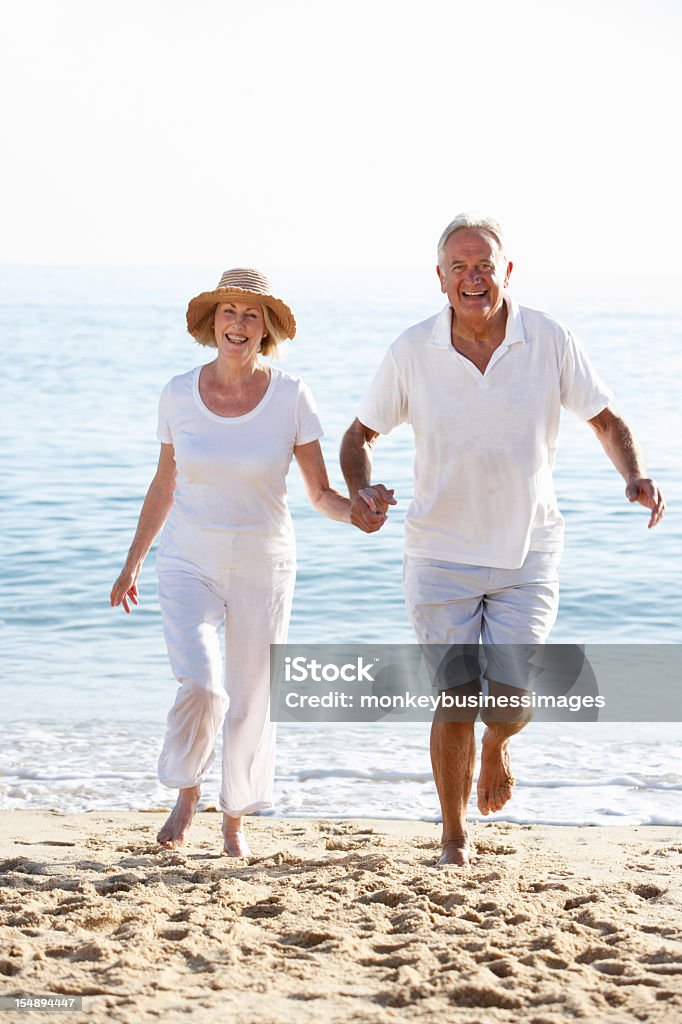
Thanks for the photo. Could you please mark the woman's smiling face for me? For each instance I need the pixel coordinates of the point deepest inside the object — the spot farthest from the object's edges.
(239, 328)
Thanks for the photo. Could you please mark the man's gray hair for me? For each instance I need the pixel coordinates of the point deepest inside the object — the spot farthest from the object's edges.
(470, 220)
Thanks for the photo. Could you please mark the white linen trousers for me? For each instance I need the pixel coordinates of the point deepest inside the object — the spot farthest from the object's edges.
(254, 604)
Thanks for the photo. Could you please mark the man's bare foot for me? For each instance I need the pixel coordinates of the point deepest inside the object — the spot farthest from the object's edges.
(174, 832)
(235, 844)
(456, 853)
(495, 780)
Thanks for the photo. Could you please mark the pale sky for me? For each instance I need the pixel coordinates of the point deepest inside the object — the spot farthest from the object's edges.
(342, 137)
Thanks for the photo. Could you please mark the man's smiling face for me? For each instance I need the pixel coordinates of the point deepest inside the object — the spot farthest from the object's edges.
(473, 275)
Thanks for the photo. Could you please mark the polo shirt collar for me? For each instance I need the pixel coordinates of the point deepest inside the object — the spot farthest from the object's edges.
(441, 338)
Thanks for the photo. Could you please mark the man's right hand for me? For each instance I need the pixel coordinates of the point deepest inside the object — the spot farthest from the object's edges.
(369, 507)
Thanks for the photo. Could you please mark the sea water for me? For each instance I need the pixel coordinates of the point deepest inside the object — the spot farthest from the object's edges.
(85, 688)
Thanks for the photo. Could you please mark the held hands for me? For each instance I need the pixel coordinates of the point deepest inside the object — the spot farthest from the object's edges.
(369, 507)
(647, 493)
(124, 590)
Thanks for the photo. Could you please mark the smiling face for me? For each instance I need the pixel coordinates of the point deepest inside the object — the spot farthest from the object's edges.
(473, 275)
(239, 329)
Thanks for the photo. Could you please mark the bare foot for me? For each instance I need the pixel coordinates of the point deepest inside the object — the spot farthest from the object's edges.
(495, 780)
(235, 844)
(456, 853)
(174, 832)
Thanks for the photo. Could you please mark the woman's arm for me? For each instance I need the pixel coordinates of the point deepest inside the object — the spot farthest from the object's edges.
(155, 509)
(314, 472)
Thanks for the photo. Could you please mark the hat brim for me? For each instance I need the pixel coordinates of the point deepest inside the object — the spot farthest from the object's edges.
(200, 306)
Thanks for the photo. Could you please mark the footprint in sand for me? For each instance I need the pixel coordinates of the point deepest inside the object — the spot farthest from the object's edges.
(648, 892)
(266, 908)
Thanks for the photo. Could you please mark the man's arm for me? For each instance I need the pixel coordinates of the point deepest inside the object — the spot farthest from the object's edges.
(618, 442)
(369, 505)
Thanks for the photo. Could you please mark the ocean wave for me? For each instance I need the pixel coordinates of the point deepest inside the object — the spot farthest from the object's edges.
(381, 775)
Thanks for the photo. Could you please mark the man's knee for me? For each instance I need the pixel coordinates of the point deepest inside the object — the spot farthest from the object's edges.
(459, 705)
(506, 705)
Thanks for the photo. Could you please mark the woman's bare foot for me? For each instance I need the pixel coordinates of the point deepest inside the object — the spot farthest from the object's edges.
(495, 780)
(456, 853)
(174, 831)
(235, 844)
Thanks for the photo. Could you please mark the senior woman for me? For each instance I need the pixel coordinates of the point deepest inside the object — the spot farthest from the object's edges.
(228, 430)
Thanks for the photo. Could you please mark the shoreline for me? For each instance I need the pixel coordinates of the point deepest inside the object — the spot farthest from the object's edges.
(340, 920)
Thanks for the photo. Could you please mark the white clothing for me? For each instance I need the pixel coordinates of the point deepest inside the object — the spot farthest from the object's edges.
(485, 443)
(512, 610)
(229, 506)
(255, 605)
(227, 555)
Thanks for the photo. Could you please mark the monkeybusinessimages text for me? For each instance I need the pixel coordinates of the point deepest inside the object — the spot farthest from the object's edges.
(300, 669)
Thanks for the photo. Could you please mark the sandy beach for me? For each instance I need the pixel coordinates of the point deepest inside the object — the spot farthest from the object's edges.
(340, 921)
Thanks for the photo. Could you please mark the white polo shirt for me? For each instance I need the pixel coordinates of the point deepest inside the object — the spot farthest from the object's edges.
(485, 443)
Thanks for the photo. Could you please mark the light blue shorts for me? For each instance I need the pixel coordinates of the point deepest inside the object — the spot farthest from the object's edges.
(511, 611)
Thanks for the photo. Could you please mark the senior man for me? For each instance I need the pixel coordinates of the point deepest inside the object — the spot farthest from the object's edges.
(482, 384)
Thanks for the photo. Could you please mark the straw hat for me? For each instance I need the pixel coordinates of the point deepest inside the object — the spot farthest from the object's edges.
(240, 284)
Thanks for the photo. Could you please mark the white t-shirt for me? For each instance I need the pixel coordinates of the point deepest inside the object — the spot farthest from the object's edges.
(485, 443)
(229, 506)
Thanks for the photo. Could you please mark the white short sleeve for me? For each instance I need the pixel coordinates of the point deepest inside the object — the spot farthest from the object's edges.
(582, 389)
(308, 426)
(385, 405)
(163, 429)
